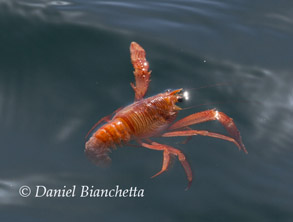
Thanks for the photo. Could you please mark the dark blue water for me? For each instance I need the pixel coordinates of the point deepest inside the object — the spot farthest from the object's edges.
(65, 64)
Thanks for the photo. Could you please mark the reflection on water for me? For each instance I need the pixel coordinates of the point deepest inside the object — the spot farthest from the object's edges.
(65, 64)
(8, 195)
(9, 188)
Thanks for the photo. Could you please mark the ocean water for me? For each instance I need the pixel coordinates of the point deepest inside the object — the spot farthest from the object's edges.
(65, 64)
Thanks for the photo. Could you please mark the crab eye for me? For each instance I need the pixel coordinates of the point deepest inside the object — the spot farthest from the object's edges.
(183, 96)
(168, 90)
(180, 99)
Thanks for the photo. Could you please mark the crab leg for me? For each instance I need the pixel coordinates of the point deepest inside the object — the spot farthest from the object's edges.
(204, 133)
(141, 70)
(168, 150)
(166, 162)
(205, 116)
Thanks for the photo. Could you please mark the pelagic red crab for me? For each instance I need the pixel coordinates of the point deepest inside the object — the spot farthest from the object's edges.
(152, 117)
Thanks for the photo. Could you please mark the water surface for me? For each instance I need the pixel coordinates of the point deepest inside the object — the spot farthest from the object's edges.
(65, 65)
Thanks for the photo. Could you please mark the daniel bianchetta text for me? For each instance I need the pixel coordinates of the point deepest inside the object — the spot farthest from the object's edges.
(87, 191)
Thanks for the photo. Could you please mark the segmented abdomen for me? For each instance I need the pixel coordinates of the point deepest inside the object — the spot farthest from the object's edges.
(113, 133)
(108, 136)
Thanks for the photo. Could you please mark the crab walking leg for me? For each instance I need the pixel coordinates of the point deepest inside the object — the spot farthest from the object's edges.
(141, 70)
(166, 162)
(209, 115)
(171, 150)
(205, 133)
(166, 155)
(187, 139)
